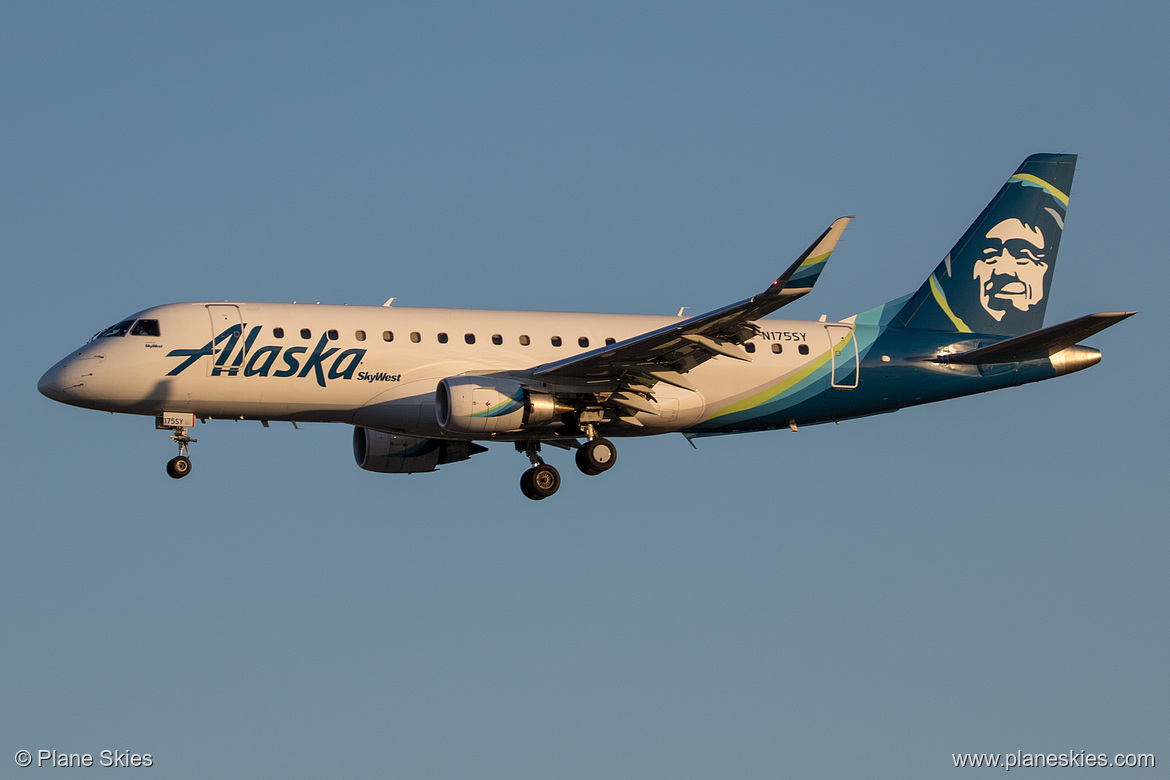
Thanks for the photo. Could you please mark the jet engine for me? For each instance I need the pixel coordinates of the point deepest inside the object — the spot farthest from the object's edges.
(390, 453)
(488, 404)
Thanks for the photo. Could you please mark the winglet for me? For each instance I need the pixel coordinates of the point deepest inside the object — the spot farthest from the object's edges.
(803, 274)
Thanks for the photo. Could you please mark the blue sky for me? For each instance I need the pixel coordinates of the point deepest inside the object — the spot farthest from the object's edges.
(982, 575)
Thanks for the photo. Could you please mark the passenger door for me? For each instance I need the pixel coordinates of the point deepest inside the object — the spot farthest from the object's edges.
(227, 331)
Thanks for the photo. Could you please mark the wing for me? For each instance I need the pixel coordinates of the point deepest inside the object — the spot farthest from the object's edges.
(666, 354)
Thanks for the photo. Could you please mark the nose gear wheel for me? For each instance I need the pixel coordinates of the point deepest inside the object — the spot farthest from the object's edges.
(179, 466)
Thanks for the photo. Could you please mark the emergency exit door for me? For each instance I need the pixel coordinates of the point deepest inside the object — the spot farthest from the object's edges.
(844, 354)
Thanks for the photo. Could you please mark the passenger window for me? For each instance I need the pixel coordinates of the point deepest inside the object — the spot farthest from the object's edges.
(278, 333)
(583, 341)
(497, 339)
(802, 349)
(776, 347)
(415, 337)
(145, 328)
(387, 335)
(306, 333)
(442, 338)
(360, 335)
(469, 338)
(332, 335)
(749, 347)
(609, 341)
(525, 341)
(556, 341)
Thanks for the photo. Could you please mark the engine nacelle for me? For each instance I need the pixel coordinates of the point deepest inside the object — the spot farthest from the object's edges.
(488, 404)
(390, 453)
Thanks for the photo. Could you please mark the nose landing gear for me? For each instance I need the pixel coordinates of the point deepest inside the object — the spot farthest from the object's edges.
(179, 466)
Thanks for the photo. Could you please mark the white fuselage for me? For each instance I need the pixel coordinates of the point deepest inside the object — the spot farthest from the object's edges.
(378, 366)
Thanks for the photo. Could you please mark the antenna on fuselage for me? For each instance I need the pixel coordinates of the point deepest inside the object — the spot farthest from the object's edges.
(388, 302)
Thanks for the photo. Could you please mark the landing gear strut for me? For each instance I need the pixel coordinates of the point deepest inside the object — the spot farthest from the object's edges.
(180, 466)
(540, 481)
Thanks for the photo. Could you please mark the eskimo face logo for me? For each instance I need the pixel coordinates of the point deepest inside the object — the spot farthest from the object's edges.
(1010, 271)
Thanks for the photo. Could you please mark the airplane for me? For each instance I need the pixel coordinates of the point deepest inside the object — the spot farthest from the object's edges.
(425, 387)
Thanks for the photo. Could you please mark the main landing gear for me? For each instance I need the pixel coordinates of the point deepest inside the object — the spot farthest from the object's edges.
(542, 480)
(595, 456)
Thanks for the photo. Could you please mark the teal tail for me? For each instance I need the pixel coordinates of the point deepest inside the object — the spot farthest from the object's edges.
(997, 277)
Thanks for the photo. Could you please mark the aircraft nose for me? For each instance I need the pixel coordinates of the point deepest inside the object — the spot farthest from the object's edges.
(55, 383)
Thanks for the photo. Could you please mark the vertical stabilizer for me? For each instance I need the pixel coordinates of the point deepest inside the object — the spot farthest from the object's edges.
(997, 277)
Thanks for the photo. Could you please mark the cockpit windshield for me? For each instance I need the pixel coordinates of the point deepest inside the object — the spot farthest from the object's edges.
(121, 329)
(139, 328)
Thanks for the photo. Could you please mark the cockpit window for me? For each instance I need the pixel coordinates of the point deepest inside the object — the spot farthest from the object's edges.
(145, 328)
(114, 330)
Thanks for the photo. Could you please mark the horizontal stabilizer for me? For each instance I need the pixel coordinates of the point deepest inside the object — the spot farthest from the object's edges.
(1042, 343)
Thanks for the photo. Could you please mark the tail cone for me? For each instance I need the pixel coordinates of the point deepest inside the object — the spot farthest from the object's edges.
(1075, 358)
